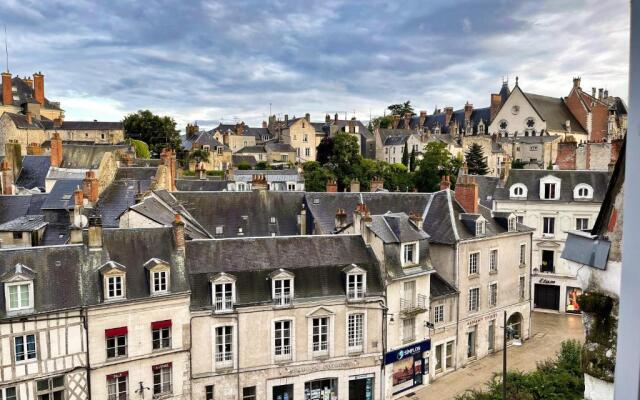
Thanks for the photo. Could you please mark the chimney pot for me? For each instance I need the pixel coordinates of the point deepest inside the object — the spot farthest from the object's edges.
(56, 150)
(94, 233)
(178, 232)
(600, 92)
(38, 87)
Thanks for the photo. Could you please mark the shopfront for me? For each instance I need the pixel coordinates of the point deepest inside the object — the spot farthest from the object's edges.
(361, 387)
(408, 366)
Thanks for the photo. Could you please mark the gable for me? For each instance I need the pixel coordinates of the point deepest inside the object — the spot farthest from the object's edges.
(516, 119)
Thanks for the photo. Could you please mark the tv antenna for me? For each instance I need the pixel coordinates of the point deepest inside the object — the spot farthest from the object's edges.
(6, 47)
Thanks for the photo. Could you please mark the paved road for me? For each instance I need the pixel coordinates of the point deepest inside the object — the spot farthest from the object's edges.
(549, 330)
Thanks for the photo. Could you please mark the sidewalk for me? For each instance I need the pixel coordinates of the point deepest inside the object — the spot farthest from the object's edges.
(549, 330)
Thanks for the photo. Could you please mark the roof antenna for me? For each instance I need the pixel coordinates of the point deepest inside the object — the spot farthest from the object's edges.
(6, 47)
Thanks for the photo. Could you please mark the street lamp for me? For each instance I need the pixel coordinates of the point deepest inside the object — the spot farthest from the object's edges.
(507, 332)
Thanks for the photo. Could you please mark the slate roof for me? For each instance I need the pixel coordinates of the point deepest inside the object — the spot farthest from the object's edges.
(598, 180)
(25, 94)
(28, 223)
(396, 228)
(252, 149)
(84, 125)
(61, 195)
(201, 185)
(554, 112)
(250, 211)
(316, 262)
(237, 159)
(396, 140)
(486, 186)
(281, 147)
(20, 121)
(86, 156)
(34, 171)
(439, 287)
(201, 138)
(120, 194)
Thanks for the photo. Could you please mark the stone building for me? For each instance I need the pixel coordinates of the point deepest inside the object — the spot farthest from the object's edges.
(390, 144)
(301, 135)
(219, 156)
(17, 91)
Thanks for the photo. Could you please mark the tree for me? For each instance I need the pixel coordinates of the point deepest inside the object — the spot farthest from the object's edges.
(436, 162)
(382, 122)
(405, 155)
(517, 164)
(475, 160)
(402, 108)
(315, 176)
(142, 149)
(243, 166)
(345, 161)
(158, 132)
(324, 151)
(262, 165)
(412, 160)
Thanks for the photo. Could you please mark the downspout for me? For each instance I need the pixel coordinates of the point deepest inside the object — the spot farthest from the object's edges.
(456, 272)
(383, 378)
(85, 322)
(530, 283)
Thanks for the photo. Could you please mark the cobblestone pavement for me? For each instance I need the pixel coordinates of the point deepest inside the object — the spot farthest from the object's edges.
(549, 330)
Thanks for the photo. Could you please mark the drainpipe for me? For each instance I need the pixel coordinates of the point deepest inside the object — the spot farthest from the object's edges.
(455, 268)
(383, 377)
(84, 315)
(530, 283)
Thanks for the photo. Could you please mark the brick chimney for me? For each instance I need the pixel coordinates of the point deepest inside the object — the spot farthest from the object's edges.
(376, 184)
(354, 185)
(332, 186)
(7, 94)
(178, 232)
(34, 149)
(168, 157)
(38, 88)
(468, 109)
(593, 92)
(94, 234)
(57, 122)
(56, 150)
(259, 182)
(90, 186)
(448, 113)
(566, 156)
(7, 178)
(78, 197)
(416, 219)
(341, 218)
(467, 193)
(576, 82)
(496, 102)
(445, 182)
(423, 118)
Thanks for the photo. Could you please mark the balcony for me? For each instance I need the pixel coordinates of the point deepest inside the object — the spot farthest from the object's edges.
(283, 353)
(224, 359)
(410, 307)
(355, 293)
(282, 300)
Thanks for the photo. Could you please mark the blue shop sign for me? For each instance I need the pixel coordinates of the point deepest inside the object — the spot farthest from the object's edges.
(409, 351)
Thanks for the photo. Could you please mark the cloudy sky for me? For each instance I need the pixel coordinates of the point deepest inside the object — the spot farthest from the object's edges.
(233, 60)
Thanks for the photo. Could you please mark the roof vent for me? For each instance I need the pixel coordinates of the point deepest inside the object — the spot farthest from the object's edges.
(316, 201)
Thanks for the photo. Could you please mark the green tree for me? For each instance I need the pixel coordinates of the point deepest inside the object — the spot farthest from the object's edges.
(382, 122)
(412, 160)
(158, 132)
(436, 162)
(402, 108)
(263, 165)
(324, 151)
(405, 154)
(517, 164)
(396, 177)
(315, 176)
(344, 163)
(475, 160)
(142, 149)
(243, 166)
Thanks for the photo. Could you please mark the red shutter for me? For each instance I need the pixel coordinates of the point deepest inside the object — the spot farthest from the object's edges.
(115, 331)
(161, 324)
(157, 367)
(117, 375)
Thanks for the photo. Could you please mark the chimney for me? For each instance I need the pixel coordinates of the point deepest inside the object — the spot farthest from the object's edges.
(606, 94)
(7, 94)
(376, 184)
(168, 157)
(332, 186)
(303, 221)
(448, 113)
(259, 182)
(566, 155)
(56, 150)
(416, 220)
(29, 117)
(355, 185)
(407, 120)
(28, 81)
(94, 234)
(90, 186)
(57, 122)
(576, 82)
(468, 109)
(567, 125)
(341, 218)
(38, 88)
(496, 102)
(178, 232)
(264, 125)
(191, 130)
(600, 92)
(467, 193)
(423, 118)
(307, 116)
(7, 178)
(445, 182)
(593, 92)
(286, 119)
(78, 197)
(327, 119)
(335, 118)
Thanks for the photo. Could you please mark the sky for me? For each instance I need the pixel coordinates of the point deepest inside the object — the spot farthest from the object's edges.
(231, 61)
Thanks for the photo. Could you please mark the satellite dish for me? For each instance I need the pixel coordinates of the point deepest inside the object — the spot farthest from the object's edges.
(80, 221)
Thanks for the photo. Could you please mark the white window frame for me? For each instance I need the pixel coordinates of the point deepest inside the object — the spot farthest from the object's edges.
(50, 390)
(545, 226)
(166, 388)
(583, 187)
(318, 349)
(224, 359)
(25, 351)
(18, 285)
(4, 396)
(550, 180)
(523, 254)
(278, 294)
(438, 313)
(415, 255)
(356, 290)
(116, 346)
(160, 287)
(107, 284)
(471, 308)
(471, 264)
(162, 345)
(356, 331)
(493, 296)
(114, 383)
(480, 226)
(493, 261)
(408, 323)
(512, 224)
(582, 219)
(228, 297)
(286, 351)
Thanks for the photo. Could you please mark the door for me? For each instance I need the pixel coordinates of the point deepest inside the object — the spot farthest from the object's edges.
(547, 297)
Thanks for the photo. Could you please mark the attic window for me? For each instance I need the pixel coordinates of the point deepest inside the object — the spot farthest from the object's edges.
(316, 201)
(480, 227)
(518, 190)
(240, 232)
(19, 295)
(272, 220)
(583, 191)
(219, 230)
(409, 254)
(114, 286)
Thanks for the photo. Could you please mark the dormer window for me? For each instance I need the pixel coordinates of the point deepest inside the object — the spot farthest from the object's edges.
(115, 286)
(409, 254)
(549, 191)
(518, 190)
(480, 227)
(583, 191)
(18, 288)
(223, 289)
(356, 282)
(113, 280)
(550, 188)
(282, 287)
(159, 273)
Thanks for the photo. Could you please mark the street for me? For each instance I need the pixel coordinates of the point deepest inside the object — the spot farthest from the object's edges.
(549, 330)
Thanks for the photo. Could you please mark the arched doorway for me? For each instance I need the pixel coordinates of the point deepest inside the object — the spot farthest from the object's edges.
(514, 323)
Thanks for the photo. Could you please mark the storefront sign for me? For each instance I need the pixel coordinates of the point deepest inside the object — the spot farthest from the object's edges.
(408, 351)
(305, 369)
(547, 281)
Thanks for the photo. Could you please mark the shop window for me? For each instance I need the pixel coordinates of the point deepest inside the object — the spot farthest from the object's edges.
(117, 386)
(162, 378)
(321, 389)
(438, 366)
(25, 347)
(50, 388)
(448, 363)
(471, 342)
(572, 299)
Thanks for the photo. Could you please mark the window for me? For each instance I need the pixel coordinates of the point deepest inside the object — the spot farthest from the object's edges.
(491, 334)
(291, 186)
(160, 281)
(548, 225)
(474, 299)
(161, 334)
(448, 363)
(521, 287)
(503, 125)
(17, 235)
(114, 287)
(116, 342)
(548, 261)
(355, 331)
(249, 393)
(438, 313)
(117, 386)
(19, 296)
(583, 191)
(224, 343)
(282, 339)
(282, 292)
(582, 224)
(408, 329)
(512, 224)
(493, 260)
(320, 335)
(50, 388)
(480, 227)
(285, 157)
(530, 123)
(474, 258)
(523, 254)
(220, 229)
(307, 152)
(208, 392)
(520, 219)
(355, 286)
(493, 294)
(223, 296)
(8, 393)
(549, 191)
(161, 379)
(219, 150)
(305, 137)
(410, 254)
(439, 357)
(471, 342)
(518, 190)
(25, 347)
(481, 129)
